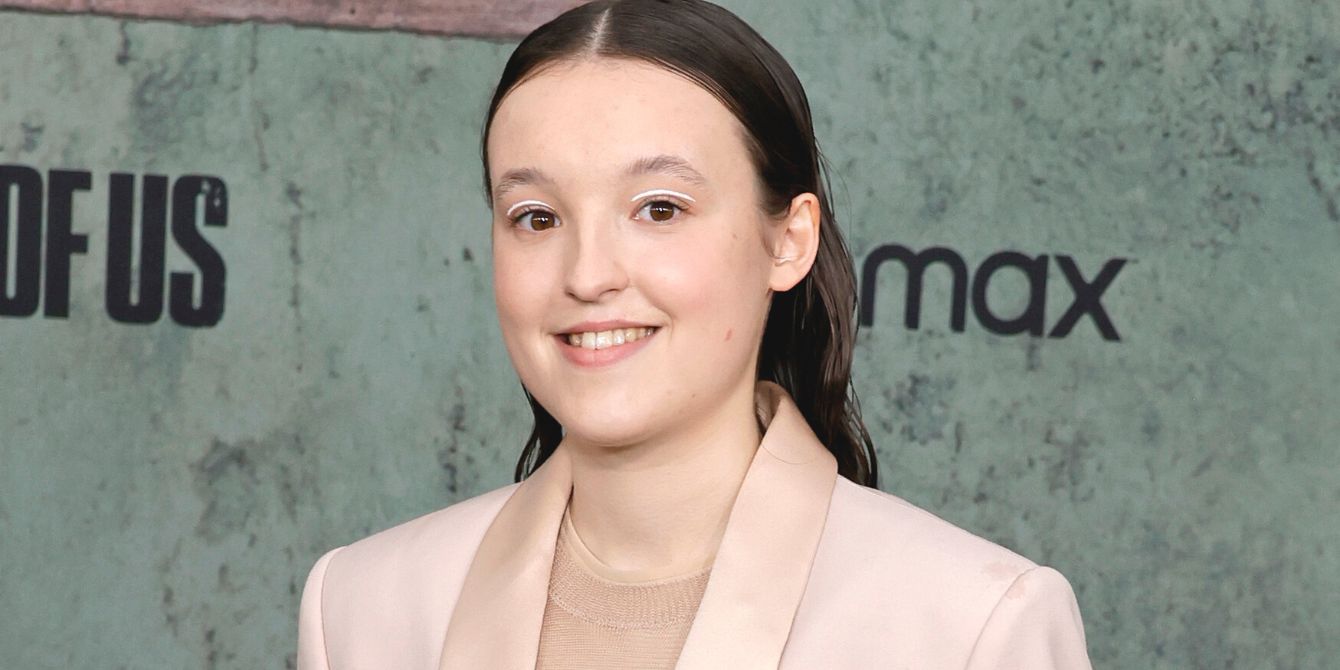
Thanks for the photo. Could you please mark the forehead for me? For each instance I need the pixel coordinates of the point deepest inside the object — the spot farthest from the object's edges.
(590, 119)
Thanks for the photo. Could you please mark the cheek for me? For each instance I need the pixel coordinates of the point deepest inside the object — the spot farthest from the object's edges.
(517, 288)
(708, 284)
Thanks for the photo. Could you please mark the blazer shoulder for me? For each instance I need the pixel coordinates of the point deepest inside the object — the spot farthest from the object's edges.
(443, 530)
(921, 536)
(385, 600)
(904, 583)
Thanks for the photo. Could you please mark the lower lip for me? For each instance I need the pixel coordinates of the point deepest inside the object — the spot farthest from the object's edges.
(595, 358)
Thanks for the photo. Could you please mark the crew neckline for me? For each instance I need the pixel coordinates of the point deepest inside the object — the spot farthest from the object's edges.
(598, 594)
(569, 537)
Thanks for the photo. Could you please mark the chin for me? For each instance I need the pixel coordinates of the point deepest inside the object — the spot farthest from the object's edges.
(598, 424)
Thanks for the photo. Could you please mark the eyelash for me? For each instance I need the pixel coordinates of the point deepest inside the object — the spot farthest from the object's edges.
(679, 208)
(532, 209)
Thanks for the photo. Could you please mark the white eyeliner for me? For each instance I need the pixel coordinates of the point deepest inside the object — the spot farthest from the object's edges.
(523, 203)
(661, 191)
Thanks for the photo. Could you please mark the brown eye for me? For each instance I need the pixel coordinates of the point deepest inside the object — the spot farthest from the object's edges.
(538, 219)
(660, 211)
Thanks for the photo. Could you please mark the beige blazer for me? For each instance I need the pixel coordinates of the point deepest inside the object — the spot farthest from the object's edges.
(813, 572)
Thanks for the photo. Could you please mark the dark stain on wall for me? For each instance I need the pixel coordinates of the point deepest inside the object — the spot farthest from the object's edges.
(225, 480)
(162, 89)
(1065, 469)
(294, 196)
(250, 482)
(32, 135)
(449, 452)
(123, 51)
(921, 404)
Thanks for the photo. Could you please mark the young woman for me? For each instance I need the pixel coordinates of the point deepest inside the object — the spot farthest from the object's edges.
(697, 491)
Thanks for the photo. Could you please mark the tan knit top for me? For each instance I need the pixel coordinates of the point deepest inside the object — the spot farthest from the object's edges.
(599, 617)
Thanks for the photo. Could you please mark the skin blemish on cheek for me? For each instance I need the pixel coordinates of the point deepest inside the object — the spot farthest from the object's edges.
(729, 333)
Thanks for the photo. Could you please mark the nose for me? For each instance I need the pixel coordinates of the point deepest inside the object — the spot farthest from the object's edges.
(595, 268)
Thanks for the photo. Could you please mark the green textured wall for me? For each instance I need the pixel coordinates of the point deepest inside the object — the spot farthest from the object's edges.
(163, 490)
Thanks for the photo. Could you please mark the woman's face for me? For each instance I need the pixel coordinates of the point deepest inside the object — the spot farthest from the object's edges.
(632, 263)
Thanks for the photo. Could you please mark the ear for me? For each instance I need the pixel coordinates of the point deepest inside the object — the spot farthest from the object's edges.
(796, 243)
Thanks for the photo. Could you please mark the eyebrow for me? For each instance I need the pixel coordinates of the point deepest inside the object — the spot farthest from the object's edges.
(666, 164)
(517, 178)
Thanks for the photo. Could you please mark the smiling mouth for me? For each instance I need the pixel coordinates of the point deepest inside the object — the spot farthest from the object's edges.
(604, 339)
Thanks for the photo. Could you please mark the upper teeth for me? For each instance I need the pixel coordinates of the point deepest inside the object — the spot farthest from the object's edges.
(608, 338)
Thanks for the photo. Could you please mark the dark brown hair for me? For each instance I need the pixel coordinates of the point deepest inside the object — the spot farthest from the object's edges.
(808, 341)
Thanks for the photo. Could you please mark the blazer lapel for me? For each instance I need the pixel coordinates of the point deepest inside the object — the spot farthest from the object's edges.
(496, 621)
(771, 537)
(758, 575)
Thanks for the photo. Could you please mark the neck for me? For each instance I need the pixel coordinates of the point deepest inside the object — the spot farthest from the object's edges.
(660, 507)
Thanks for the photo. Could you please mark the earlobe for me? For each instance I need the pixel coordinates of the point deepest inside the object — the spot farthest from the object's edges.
(797, 242)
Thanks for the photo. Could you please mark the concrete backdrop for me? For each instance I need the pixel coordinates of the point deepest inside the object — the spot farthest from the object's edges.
(164, 489)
